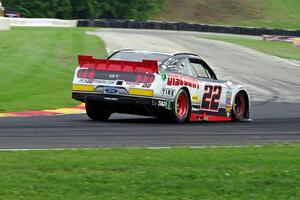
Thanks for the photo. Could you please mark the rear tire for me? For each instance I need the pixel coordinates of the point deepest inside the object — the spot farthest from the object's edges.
(238, 107)
(97, 111)
(181, 106)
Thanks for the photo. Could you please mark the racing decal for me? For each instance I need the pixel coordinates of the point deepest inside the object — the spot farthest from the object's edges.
(163, 76)
(144, 78)
(85, 81)
(168, 92)
(162, 103)
(211, 98)
(196, 108)
(203, 115)
(228, 101)
(176, 80)
(206, 117)
(111, 90)
(146, 85)
(112, 75)
(195, 98)
(104, 82)
(133, 84)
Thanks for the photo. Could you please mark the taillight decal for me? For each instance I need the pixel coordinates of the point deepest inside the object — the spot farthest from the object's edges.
(91, 74)
(139, 78)
(85, 74)
(151, 79)
(79, 74)
(109, 75)
(144, 78)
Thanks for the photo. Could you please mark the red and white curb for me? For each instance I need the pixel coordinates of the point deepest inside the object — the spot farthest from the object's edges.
(60, 111)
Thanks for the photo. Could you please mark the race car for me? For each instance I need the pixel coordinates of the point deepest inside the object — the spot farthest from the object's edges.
(171, 86)
(12, 14)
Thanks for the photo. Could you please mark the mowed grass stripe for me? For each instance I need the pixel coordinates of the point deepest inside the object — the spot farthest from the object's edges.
(279, 49)
(37, 66)
(270, 172)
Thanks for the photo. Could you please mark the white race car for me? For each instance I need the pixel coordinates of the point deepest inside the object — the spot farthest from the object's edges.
(179, 87)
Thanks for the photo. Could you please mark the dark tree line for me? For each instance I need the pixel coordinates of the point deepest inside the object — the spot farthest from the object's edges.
(86, 9)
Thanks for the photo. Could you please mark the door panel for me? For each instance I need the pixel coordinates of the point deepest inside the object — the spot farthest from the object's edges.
(212, 96)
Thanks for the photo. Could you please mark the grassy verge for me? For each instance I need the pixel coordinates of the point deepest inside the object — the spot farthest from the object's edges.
(280, 49)
(271, 172)
(37, 66)
(255, 13)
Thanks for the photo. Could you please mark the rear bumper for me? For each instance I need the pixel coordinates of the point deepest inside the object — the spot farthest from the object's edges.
(138, 105)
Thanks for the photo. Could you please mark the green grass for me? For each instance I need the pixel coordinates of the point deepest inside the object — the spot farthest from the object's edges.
(37, 66)
(280, 49)
(270, 172)
(255, 13)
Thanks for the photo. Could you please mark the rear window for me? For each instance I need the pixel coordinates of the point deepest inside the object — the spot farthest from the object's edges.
(139, 56)
(11, 12)
(177, 65)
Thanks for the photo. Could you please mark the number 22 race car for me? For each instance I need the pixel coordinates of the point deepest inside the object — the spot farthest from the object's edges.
(178, 87)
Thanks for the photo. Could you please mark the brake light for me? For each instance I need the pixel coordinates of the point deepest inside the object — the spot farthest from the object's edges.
(144, 78)
(86, 74)
(91, 74)
(132, 77)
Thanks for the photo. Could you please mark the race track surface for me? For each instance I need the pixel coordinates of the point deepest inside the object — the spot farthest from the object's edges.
(273, 83)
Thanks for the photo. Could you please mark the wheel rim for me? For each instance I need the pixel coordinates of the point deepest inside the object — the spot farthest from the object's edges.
(239, 106)
(181, 106)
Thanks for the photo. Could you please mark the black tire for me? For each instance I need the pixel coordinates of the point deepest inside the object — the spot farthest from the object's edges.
(97, 111)
(238, 110)
(181, 107)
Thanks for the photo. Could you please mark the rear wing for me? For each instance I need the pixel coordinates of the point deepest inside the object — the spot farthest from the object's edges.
(146, 66)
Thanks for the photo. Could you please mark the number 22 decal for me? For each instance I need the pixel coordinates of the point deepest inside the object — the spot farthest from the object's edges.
(211, 97)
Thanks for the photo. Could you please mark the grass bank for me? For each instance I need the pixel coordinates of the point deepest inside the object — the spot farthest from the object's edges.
(280, 49)
(270, 172)
(37, 66)
(255, 13)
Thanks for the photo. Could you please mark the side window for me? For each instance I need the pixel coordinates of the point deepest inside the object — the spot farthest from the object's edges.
(178, 65)
(200, 70)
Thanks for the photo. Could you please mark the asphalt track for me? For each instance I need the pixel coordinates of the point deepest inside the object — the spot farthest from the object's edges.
(274, 85)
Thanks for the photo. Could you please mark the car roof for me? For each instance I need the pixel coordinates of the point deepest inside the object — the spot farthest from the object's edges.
(158, 52)
(11, 11)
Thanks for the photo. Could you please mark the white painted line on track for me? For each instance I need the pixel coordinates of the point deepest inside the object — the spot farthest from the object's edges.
(150, 148)
(284, 60)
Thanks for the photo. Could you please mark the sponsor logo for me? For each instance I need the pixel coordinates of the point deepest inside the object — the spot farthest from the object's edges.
(195, 109)
(114, 76)
(110, 90)
(168, 92)
(178, 80)
(164, 104)
(104, 82)
(163, 76)
(146, 85)
(228, 108)
(228, 101)
(132, 84)
(195, 97)
(85, 81)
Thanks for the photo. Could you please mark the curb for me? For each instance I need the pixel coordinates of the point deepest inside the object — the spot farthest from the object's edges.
(60, 111)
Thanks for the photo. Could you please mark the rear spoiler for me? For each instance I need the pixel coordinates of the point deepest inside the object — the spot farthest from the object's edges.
(146, 66)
